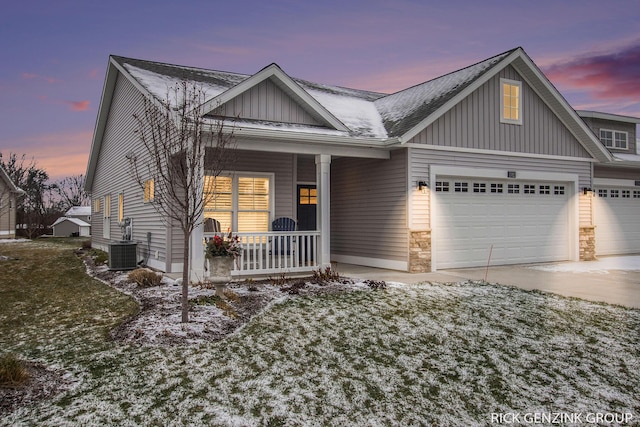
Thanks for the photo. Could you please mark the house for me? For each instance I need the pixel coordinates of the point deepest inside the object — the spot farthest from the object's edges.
(79, 212)
(71, 227)
(8, 201)
(487, 161)
(616, 185)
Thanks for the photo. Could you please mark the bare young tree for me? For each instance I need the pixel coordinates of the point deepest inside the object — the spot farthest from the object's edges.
(181, 152)
(70, 191)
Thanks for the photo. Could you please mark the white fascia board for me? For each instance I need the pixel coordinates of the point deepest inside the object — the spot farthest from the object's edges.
(113, 70)
(458, 98)
(298, 92)
(101, 121)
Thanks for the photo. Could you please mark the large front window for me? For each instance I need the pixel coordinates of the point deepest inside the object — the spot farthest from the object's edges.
(241, 203)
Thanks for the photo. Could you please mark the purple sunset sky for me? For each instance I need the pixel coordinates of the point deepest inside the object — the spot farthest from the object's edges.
(55, 53)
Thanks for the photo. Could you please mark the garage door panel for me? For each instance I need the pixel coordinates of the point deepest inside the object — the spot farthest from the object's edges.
(617, 220)
(521, 227)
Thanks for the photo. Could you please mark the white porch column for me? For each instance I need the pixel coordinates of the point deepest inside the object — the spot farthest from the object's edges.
(196, 252)
(323, 221)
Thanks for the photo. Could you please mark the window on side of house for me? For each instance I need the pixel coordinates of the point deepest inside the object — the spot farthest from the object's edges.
(614, 139)
(510, 101)
(149, 190)
(96, 205)
(120, 207)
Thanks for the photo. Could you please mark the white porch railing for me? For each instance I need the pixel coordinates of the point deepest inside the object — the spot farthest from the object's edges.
(276, 252)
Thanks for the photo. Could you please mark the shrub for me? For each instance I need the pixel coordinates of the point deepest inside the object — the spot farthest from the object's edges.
(145, 278)
(322, 277)
(280, 280)
(13, 372)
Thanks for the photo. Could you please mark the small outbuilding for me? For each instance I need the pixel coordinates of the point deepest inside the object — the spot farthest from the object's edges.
(66, 227)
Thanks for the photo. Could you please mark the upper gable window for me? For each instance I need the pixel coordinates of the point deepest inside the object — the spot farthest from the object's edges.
(510, 101)
(614, 139)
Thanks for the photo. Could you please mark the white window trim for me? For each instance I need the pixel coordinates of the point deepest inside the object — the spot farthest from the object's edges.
(613, 139)
(502, 118)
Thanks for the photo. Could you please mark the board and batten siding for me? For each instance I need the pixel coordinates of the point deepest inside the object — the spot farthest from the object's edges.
(266, 101)
(475, 123)
(113, 176)
(421, 159)
(369, 208)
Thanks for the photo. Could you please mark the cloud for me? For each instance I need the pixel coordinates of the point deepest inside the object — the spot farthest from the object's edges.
(33, 76)
(609, 75)
(72, 105)
(78, 105)
(59, 154)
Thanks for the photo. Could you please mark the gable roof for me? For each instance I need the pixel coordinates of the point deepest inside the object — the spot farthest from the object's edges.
(349, 114)
(75, 221)
(78, 211)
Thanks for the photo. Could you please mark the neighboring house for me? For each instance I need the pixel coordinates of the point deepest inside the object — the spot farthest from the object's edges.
(79, 212)
(8, 201)
(616, 185)
(489, 159)
(71, 227)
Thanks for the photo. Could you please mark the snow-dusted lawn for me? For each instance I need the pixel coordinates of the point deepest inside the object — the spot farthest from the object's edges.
(430, 354)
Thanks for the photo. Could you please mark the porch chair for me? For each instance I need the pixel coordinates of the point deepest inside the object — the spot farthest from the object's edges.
(284, 245)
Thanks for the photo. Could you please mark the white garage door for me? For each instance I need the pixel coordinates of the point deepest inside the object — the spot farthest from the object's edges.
(617, 220)
(525, 222)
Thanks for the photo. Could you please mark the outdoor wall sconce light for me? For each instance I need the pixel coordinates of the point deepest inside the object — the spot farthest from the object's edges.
(422, 185)
(586, 191)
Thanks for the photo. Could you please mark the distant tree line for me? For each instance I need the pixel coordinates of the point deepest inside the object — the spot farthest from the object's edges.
(42, 201)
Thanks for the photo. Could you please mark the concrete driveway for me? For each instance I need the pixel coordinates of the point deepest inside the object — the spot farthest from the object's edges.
(614, 280)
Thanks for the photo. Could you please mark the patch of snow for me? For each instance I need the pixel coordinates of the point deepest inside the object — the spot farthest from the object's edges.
(601, 266)
(14, 241)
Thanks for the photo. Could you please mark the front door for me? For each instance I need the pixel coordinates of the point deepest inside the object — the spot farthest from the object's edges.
(307, 202)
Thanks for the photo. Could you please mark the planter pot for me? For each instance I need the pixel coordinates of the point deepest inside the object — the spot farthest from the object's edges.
(220, 272)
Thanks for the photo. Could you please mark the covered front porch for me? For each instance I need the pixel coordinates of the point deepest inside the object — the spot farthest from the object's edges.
(278, 204)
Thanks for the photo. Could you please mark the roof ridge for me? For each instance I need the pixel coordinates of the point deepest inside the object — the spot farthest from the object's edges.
(505, 54)
(168, 64)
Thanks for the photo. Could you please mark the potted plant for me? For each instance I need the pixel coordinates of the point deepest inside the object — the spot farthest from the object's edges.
(221, 251)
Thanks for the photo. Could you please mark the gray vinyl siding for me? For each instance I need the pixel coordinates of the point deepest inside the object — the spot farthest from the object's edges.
(422, 159)
(475, 123)
(369, 207)
(266, 101)
(602, 171)
(113, 176)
